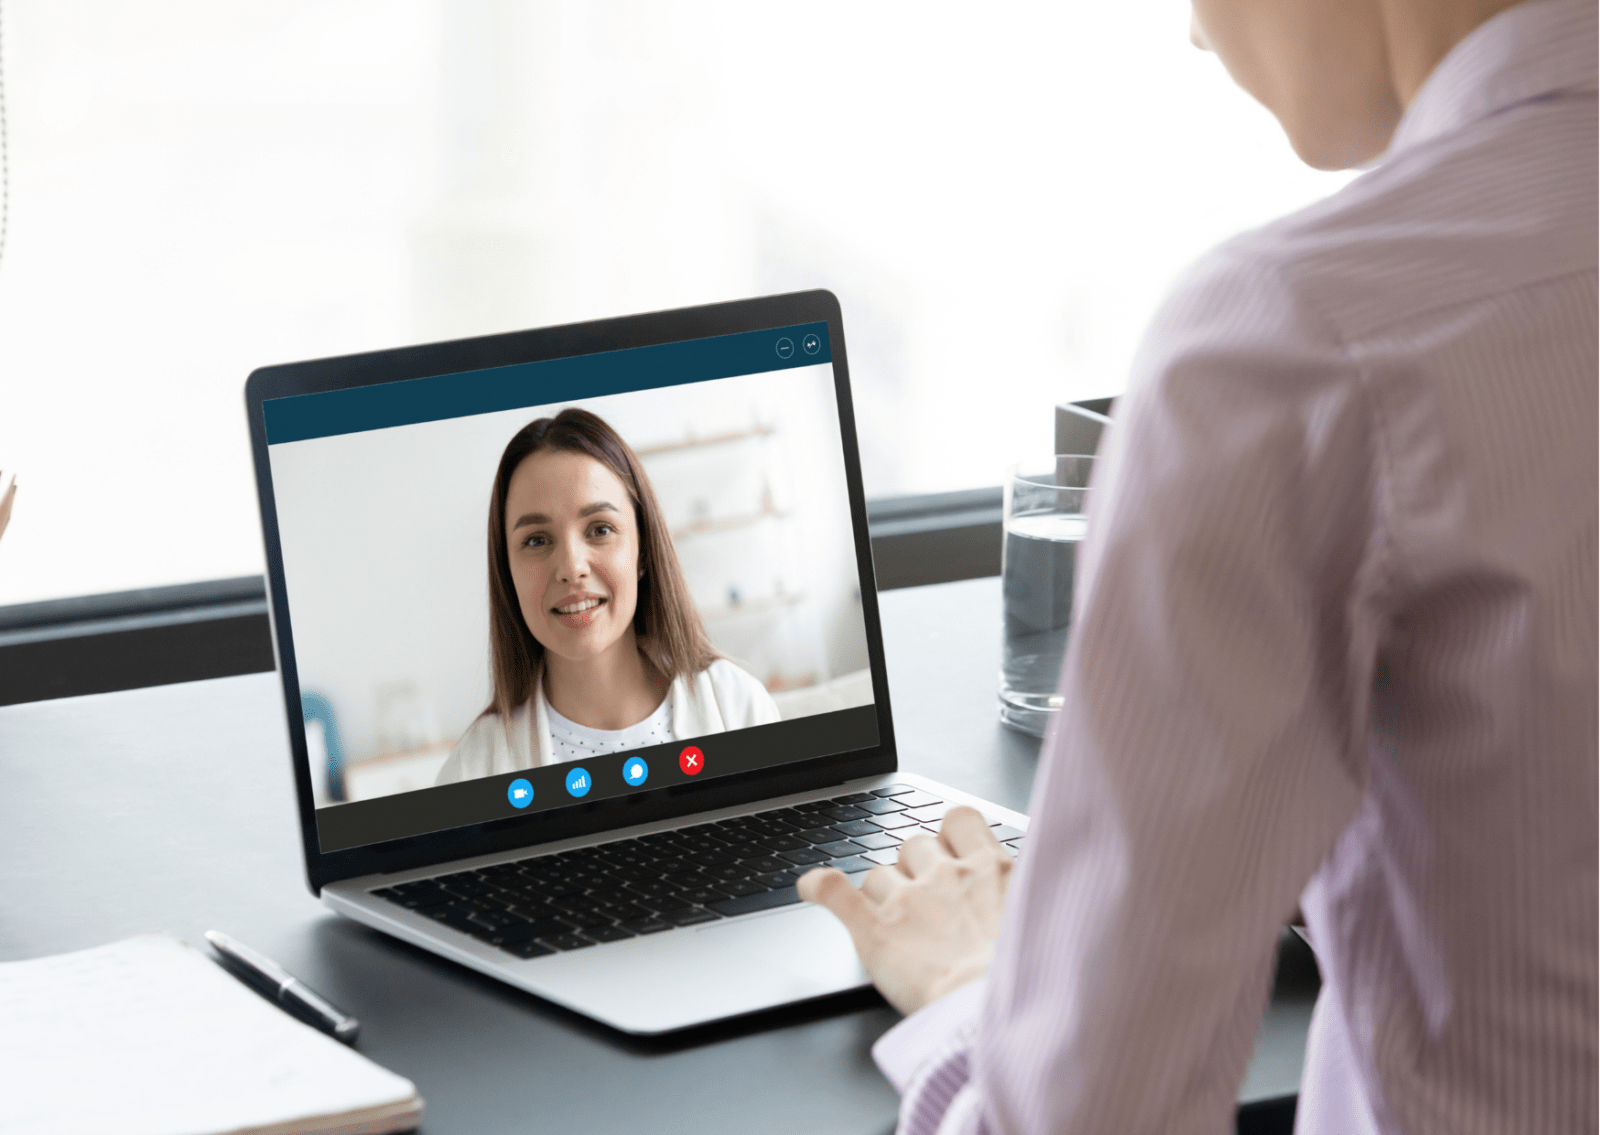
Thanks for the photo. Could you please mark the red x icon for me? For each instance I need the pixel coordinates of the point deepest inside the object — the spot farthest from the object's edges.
(691, 761)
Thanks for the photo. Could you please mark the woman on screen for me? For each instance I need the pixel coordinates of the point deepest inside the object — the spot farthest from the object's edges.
(596, 646)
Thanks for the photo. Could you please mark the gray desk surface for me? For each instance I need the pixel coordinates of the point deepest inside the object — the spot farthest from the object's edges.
(171, 808)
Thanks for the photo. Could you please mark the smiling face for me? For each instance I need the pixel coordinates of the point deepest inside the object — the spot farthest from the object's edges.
(573, 544)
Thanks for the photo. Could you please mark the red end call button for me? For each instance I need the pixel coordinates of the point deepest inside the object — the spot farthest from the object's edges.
(691, 761)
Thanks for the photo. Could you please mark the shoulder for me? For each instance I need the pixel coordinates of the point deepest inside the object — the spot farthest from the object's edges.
(1500, 205)
(1286, 317)
(731, 677)
(1241, 333)
(1245, 419)
(741, 698)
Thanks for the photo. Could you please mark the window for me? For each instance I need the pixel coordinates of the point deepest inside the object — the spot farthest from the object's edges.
(999, 197)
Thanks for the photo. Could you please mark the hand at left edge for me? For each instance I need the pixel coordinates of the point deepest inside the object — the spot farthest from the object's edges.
(6, 497)
(927, 925)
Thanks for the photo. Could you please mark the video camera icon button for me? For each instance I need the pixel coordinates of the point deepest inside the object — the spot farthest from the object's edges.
(691, 761)
(579, 782)
(635, 771)
(520, 793)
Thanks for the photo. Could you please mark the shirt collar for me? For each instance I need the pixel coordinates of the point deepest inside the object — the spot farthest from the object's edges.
(1536, 50)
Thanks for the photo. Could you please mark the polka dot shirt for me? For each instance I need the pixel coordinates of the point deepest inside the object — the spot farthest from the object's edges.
(574, 742)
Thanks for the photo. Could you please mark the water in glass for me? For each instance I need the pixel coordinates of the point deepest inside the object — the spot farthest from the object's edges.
(1045, 518)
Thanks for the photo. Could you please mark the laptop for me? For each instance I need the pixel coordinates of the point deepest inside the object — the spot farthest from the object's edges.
(470, 548)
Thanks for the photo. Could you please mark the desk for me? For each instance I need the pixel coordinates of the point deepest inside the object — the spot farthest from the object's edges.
(172, 808)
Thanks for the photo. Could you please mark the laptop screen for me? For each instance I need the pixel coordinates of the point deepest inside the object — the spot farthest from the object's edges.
(523, 588)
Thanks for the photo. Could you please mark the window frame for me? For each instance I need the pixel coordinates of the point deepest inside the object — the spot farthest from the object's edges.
(219, 628)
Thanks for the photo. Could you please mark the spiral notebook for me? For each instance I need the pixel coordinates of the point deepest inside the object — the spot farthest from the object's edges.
(148, 1037)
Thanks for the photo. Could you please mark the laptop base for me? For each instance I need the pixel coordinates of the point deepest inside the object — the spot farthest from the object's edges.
(668, 981)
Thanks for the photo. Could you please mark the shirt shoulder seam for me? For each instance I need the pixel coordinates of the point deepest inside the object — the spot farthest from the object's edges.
(1385, 552)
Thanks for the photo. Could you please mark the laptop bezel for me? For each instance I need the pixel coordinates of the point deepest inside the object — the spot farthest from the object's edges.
(536, 345)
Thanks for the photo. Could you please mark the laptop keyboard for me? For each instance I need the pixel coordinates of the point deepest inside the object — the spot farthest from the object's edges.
(651, 883)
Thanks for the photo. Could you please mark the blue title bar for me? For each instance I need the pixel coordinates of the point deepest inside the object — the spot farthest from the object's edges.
(388, 404)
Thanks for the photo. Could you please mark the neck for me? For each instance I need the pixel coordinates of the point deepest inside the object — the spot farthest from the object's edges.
(613, 690)
(1420, 33)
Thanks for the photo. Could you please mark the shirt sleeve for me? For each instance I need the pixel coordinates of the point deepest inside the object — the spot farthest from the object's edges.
(919, 1042)
(1210, 746)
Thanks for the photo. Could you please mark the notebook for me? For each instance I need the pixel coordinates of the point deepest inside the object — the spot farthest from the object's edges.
(148, 1037)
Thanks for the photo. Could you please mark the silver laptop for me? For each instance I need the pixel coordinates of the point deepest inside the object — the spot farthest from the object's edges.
(581, 657)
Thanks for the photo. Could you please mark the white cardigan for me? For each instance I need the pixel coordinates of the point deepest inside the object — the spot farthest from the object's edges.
(720, 698)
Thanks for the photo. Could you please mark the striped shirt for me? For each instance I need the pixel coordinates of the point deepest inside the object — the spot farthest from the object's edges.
(1335, 644)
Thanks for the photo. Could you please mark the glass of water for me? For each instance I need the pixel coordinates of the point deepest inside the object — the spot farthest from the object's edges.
(1046, 513)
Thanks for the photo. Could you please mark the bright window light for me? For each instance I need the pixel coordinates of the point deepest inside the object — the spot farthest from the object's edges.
(998, 194)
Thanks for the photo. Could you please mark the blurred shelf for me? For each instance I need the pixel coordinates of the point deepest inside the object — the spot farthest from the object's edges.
(704, 442)
(784, 684)
(727, 523)
(396, 756)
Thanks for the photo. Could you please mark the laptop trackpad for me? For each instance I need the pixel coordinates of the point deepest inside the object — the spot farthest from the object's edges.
(804, 942)
(669, 981)
(672, 980)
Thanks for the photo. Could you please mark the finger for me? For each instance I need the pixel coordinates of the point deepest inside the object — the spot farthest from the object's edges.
(880, 883)
(965, 831)
(919, 854)
(828, 887)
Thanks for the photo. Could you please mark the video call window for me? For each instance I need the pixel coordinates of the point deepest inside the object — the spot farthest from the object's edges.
(451, 582)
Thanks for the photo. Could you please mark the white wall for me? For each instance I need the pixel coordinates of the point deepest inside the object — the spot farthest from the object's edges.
(384, 547)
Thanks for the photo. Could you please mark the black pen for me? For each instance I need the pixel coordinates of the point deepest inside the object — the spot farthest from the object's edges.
(271, 980)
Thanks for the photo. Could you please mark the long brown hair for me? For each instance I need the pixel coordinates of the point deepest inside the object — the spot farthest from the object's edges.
(666, 624)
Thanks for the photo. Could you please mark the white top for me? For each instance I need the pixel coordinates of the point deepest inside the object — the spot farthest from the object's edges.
(720, 698)
(1335, 643)
(574, 742)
